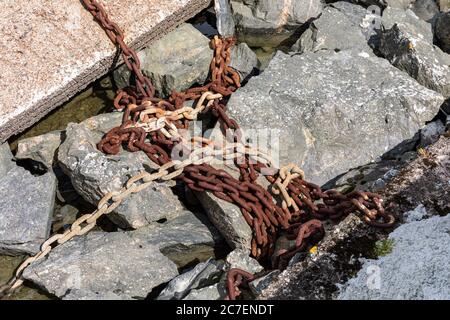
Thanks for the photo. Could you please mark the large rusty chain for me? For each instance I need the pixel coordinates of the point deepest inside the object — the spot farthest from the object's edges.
(292, 207)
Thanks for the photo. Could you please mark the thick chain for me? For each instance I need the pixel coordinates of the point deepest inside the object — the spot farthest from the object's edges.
(147, 118)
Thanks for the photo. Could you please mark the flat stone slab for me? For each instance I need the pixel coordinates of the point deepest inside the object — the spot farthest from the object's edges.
(52, 50)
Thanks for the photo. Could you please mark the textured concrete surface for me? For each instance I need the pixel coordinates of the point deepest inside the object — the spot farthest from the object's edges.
(50, 50)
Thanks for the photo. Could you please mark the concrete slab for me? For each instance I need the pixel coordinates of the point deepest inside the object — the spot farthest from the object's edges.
(50, 50)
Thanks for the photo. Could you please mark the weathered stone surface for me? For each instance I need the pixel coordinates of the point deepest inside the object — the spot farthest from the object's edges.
(214, 292)
(94, 174)
(41, 149)
(64, 217)
(185, 239)
(267, 23)
(425, 9)
(444, 5)
(373, 105)
(315, 277)
(202, 275)
(37, 75)
(228, 220)
(423, 181)
(431, 133)
(241, 259)
(335, 30)
(400, 4)
(417, 267)
(77, 294)
(6, 158)
(418, 57)
(173, 62)
(442, 31)
(224, 16)
(417, 214)
(102, 264)
(409, 22)
(244, 61)
(26, 207)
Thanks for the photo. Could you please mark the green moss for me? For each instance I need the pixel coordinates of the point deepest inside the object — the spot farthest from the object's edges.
(383, 247)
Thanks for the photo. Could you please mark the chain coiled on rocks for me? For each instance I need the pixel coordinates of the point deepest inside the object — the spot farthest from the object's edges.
(293, 206)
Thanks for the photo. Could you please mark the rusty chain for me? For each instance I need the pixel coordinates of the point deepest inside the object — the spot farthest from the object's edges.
(151, 124)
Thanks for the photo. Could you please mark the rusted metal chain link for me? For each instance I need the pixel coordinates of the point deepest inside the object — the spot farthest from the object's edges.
(144, 86)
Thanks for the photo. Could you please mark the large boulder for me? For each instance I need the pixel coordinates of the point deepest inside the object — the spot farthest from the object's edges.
(409, 22)
(365, 101)
(267, 23)
(103, 265)
(26, 207)
(337, 28)
(442, 31)
(94, 174)
(416, 269)
(422, 60)
(425, 9)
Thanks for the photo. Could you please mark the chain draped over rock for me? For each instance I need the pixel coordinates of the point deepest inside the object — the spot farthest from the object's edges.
(292, 206)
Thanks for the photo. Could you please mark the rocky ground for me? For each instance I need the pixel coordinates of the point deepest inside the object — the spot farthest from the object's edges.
(356, 104)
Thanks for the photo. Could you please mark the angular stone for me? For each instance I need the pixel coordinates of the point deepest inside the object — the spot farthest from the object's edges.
(416, 269)
(431, 132)
(102, 264)
(267, 23)
(417, 214)
(94, 174)
(228, 219)
(184, 239)
(201, 275)
(244, 61)
(41, 149)
(175, 62)
(241, 259)
(419, 58)
(425, 9)
(409, 22)
(373, 105)
(335, 30)
(214, 292)
(442, 31)
(6, 158)
(224, 16)
(27, 208)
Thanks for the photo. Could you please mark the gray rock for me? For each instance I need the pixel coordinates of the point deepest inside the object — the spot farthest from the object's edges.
(267, 23)
(41, 149)
(336, 29)
(416, 269)
(431, 132)
(214, 292)
(409, 22)
(200, 276)
(442, 31)
(241, 259)
(94, 174)
(6, 158)
(102, 263)
(244, 61)
(172, 63)
(417, 214)
(425, 9)
(185, 239)
(261, 283)
(27, 207)
(372, 104)
(224, 16)
(64, 217)
(228, 220)
(419, 58)
(400, 4)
